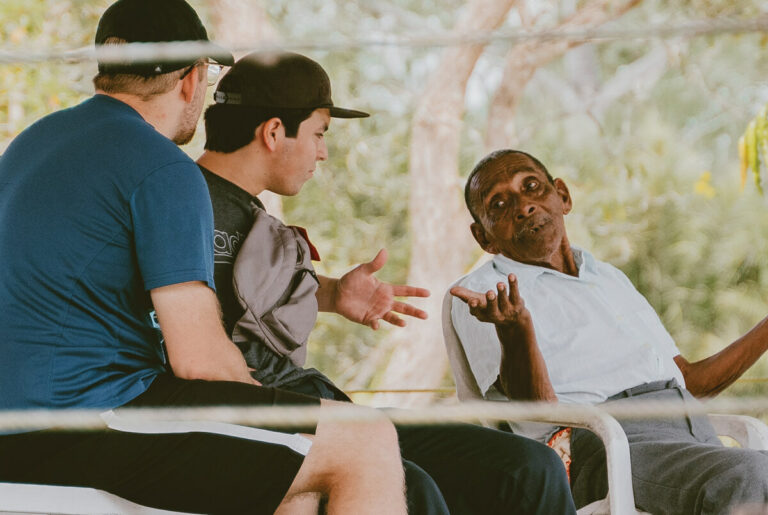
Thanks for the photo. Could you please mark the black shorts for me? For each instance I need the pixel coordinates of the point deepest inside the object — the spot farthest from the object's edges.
(193, 471)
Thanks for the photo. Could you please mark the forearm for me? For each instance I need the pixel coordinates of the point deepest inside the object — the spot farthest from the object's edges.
(712, 375)
(326, 294)
(197, 345)
(523, 374)
(220, 361)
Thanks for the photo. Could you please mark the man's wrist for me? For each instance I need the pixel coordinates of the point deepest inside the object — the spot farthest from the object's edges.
(523, 320)
(512, 331)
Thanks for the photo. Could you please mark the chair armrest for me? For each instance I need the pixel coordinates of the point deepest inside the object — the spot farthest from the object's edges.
(620, 496)
(749, 432)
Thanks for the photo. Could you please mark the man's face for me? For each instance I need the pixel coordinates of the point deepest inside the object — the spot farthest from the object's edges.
(299, 155)
(520, 211)
(191, 113)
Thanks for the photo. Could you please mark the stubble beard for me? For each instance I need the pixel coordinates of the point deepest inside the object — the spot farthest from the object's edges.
(188, 125)
(189, 118)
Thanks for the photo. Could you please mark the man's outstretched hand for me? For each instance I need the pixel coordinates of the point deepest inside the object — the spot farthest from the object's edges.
(502, 308)
(362, 298)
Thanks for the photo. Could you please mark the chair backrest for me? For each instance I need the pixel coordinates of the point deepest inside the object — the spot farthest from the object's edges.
(466, 385)
(620, 498)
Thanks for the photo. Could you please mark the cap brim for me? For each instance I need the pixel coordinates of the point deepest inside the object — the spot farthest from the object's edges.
(339, 112)
(221, 55)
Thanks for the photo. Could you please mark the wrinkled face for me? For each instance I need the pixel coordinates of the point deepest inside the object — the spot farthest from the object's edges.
(299, 155)
(520, 211)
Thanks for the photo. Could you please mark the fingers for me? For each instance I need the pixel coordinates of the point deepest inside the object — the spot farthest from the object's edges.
(514, 293)
(504, 304)
(376, 263)
(393, 319)
(468, 296)
(407, 309)
(492, 300)
(409, 291)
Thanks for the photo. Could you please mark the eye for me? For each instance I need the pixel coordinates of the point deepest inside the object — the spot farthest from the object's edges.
(497, 204)
(531, 185)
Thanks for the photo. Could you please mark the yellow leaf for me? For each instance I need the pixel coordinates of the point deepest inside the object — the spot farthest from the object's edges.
(703, 186)
(753, 158)
(743, 161)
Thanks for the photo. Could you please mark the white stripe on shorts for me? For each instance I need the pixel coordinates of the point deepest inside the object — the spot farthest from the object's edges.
(294, 441)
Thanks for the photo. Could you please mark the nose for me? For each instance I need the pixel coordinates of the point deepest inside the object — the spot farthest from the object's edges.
(525, 211)
(322, 151)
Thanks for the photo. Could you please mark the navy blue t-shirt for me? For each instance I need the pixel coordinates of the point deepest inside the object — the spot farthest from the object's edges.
(96, 209)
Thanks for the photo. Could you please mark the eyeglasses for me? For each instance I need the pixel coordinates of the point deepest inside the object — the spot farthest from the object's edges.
(213, 71)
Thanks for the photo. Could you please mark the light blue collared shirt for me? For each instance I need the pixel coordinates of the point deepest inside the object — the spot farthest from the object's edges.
(598, 335)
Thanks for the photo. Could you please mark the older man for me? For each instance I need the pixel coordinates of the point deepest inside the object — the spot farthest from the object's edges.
(545, 320)
(106, 230)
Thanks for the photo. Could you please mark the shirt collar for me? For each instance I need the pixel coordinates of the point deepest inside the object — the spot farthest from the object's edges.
(585, 262)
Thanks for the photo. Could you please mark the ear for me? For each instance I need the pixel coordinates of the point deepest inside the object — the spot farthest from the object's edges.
(565, 195)
(271, 133)
(189, 85)
(481, 237)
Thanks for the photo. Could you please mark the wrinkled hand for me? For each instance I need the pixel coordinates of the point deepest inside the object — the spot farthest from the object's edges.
(499, 309)
(362, 298)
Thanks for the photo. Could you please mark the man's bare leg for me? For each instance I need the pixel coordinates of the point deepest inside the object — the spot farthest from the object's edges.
(307, 503)
(356, 465)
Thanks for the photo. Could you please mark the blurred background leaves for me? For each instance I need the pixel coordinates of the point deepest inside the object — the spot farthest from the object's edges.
(644, 131)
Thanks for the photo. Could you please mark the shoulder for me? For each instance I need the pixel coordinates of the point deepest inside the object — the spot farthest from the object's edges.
(121, 137)
(608, 271)
(481, 277)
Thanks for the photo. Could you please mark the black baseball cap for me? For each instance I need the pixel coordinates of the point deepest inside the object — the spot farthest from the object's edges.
(155, 21)
(279, 81)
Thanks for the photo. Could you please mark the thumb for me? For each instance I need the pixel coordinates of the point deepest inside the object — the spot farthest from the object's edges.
(376, 263)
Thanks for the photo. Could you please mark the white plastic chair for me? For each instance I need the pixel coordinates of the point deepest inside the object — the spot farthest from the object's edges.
(746, 431)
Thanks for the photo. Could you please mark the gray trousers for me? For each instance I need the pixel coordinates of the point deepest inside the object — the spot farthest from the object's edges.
(679, 465)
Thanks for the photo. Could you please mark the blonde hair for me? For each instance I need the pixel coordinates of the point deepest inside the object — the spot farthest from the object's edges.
(139, 85)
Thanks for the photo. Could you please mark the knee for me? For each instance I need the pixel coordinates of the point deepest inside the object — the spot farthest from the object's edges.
(422, 493)
(533, 459)
(367, 434)
(742, 480)
(535, 482)
(544, 465)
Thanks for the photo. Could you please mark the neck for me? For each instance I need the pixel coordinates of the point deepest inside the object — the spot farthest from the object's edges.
(157, 112)
(565, 261)
(237, 167)
(561, 259)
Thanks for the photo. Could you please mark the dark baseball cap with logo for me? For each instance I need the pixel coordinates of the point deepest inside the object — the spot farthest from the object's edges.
(279, 81)
(155, 21)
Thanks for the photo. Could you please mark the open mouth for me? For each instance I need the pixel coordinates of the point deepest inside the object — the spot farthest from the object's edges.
(532, 227)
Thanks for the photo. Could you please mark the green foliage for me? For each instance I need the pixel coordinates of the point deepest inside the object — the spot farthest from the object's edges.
(655, 191)
(653, 177)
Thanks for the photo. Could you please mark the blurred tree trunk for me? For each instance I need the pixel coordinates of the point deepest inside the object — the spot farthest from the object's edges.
(241, 25)
(524, 59)
(439, 223)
